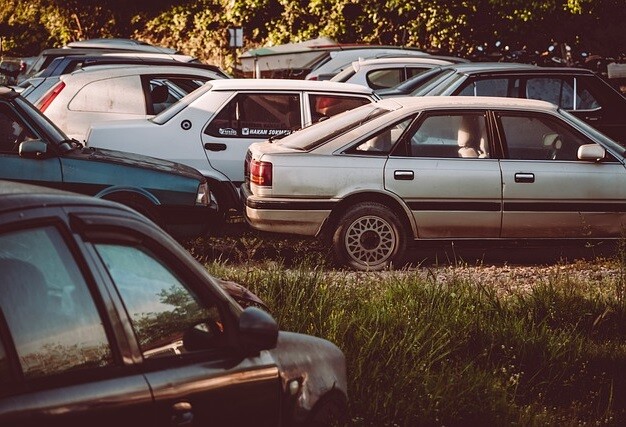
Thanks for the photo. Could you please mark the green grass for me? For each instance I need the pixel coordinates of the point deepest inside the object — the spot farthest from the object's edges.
(424, 352)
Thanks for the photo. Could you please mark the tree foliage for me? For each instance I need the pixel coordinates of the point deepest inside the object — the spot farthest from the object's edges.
(199, 27)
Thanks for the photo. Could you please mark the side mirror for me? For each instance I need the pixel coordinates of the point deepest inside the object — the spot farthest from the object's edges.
(591, 152)
(33, 148)
(257, 330)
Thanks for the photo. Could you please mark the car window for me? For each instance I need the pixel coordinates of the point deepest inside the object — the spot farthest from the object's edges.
(114, 95)
(384, 78)
(51, 315)
(168, 319)
(491, 87)
(458, 135)
(13, 131)
(5, 371)
(539, 138)
(257, 115)
(324, 106)
(566, 92)
(384, 141)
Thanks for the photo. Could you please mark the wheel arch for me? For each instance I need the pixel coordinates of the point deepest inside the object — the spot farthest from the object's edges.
(396, 205)
(125, 193)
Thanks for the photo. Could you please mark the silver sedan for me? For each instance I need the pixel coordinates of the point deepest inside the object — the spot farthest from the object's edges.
(409, 170)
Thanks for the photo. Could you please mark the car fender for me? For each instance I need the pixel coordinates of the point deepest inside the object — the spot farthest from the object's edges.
(110, 192)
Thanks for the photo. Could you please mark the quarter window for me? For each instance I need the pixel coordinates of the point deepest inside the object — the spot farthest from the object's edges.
(492, 87)
(115, 95)
(168, 319)
(48, 308)
(257, 116)
(12, 130)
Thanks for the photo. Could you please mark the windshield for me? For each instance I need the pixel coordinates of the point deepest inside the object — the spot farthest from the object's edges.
(39, 120)
(167, 114)
(321, 132)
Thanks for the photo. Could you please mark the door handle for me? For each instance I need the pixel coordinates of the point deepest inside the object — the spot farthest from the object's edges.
(182, 414)
(214, 146)
(403, 175)
(524, 177)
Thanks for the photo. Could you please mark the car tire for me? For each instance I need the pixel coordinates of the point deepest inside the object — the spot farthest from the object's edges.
(330, 411)
(369, 237)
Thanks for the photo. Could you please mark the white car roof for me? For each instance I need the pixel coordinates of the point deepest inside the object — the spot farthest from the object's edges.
(287, 84)
(115, 70)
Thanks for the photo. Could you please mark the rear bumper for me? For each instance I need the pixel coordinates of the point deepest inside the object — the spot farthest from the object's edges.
(291, 216)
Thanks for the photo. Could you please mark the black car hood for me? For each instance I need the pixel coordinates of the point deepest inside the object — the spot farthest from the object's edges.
(135, 160)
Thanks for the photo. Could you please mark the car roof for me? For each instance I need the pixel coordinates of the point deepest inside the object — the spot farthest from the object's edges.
(486, 102)
(135, 69)
(118, 43)
(287, 84)
(71, 63)
(503, 67)
(402, 60)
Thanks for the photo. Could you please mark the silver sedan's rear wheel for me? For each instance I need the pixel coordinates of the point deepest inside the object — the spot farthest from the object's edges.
(369, 237)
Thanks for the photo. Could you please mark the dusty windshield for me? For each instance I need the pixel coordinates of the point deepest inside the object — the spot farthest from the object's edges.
(324, 131)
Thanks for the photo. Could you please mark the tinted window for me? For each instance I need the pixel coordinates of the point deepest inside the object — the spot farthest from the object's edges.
(566, 92)
(257, 116)
(540, 138)
(168, 319)
(115, 95)
(492, 87)
(450, 136)
(379, 79)
(50, 313)
(324, 106)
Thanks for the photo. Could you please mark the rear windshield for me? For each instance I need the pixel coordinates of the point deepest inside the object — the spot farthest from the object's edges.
(322, 132)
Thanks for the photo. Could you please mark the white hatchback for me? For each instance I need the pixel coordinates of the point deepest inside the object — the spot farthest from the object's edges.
(211, 128)
(101, 93)
(417, 169)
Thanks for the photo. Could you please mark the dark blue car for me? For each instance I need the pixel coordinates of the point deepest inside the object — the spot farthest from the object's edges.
(35, 151)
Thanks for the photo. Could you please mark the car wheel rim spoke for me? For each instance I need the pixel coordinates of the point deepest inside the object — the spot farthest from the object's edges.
(370, 240)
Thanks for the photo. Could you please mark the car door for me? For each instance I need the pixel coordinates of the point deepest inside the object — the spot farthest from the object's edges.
(14, 130)
(248, 117)
(183, 334)
(60, 361)
(547, 191)
(443, 169)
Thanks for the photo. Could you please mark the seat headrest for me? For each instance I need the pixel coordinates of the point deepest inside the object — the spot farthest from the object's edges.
(159, 94)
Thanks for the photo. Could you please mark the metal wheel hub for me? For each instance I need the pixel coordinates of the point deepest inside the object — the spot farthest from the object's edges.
(370, 240)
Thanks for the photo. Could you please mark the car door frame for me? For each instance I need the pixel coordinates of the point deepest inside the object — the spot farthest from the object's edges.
(119, 392)
(177, 383)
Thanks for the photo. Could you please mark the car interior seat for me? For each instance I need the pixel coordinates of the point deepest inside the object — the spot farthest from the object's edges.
(159, 95)
(472, 138)
(552, 142)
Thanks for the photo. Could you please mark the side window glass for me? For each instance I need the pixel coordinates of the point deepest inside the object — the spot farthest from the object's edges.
(555, 90)
(539, 138)
(49, 310)
(489, 87)
(257, 116)
(5, 371)
(380, 79)
(162, 95)
(383, 142)
(451, 136)
(324, 106)
(584, 100)
(168, 319)
(12, 130)
(122, 95)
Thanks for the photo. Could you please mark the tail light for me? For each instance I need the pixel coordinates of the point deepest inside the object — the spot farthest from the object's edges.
(261, 173)
(49, 97)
